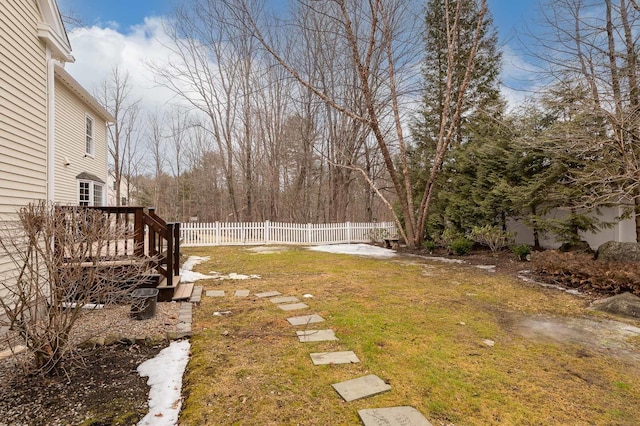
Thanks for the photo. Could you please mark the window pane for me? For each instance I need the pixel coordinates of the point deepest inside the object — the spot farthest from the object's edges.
(84, 198)
(89, 138)
(97, 194)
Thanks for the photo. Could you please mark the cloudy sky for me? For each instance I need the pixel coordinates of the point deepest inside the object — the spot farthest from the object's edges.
(130, 34)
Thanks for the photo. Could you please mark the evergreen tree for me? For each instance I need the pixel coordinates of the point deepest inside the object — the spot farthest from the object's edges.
(482, 111)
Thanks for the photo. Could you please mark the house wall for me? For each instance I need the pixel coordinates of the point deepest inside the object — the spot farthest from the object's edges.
(23, 114)
(70, 144)
(623, 231)
(23, 107)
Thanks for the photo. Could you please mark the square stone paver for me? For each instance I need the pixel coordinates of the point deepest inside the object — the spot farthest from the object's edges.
(305, 319)
(316, 335)
(394, 416)
(361, 387)
(326, 358)
(268, 294)
(241, 293)
(284, 299)
(215, 293)
(293, 306)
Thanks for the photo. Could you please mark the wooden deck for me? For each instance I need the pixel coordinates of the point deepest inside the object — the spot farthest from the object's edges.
(139, 235)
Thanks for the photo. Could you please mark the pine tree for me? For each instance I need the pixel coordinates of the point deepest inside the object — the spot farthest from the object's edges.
(482, 110)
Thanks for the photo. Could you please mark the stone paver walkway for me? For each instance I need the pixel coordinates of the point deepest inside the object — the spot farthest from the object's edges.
(293, 306)
(350, 390)
(305, 319)
(393, 416)
(330, 358)
(306, 336)
(268, 294)
(362, 387)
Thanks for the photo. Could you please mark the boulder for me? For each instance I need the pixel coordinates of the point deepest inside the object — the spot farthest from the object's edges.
(625, 304)
(580, 247)
(619, 252)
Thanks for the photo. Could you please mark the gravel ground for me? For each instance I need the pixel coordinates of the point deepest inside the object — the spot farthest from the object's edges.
(99, 385)
(114, 321)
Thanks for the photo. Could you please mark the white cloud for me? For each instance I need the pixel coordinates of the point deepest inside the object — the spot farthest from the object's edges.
(98, 49)
(520, 78)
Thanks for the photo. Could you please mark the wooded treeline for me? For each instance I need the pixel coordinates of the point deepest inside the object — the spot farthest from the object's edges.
(362, 111)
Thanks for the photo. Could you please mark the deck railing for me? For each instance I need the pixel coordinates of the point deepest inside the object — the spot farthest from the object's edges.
(161, 247)
(255, 233)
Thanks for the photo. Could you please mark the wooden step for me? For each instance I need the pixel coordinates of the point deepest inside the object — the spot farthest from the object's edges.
(183, 291)
(162, 285)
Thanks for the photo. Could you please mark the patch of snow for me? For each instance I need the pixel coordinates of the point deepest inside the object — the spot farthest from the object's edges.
(83, 306)
(488, 268)
(489, 342)
(307, 296)
(357, 249)
(556, 287)
(233, 276)
(193, 261)
(187, 275)
(165, 379)
(221, 313)
(442, 259)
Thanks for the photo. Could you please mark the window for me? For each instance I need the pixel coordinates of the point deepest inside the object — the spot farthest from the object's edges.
(89, 148)
(90, 193)
(84, 198)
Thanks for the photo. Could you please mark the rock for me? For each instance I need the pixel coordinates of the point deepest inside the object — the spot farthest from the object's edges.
(625, 304)
(582, 247)
(156, 339)
(489, 342)
(619, 252)
(111, 339)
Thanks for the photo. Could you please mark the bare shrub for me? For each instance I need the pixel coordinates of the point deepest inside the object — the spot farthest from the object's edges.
(491, 236)
(63, 261)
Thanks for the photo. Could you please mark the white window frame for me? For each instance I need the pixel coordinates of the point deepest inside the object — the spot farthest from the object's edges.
(92, 192)
(89, 142)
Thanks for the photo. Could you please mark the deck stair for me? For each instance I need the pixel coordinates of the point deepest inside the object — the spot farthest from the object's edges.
(149, 237)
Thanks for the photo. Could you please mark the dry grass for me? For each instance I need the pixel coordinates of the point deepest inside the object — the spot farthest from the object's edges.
(403, 320)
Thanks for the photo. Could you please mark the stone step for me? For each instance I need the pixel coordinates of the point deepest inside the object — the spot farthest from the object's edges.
(362, 387)
(331, 358)
(393, 416)
(305, 319)
(306, 336)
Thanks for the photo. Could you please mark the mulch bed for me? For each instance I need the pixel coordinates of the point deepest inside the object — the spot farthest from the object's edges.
(100, 386)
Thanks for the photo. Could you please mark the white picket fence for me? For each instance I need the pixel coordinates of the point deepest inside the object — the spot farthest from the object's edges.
(256, 233)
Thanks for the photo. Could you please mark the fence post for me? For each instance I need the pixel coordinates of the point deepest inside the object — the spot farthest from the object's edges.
(217, 233)
(309, 233)
(266, 232)
(349, 232)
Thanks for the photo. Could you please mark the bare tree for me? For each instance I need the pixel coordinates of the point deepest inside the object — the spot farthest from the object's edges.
(379, 37)
(116, 97)
(62, 264)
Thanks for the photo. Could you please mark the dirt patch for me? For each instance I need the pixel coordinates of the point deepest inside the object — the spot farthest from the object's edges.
(101, 387)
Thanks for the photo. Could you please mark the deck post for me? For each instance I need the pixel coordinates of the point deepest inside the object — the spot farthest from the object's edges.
(169, 259)
(176, 247)
(138, 232)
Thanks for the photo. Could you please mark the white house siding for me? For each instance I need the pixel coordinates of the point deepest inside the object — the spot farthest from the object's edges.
(71, 112)
(23, 114)
(623, 231)
(23, 107)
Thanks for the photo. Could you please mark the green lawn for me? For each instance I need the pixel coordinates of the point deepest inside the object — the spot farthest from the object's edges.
(419, 326)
